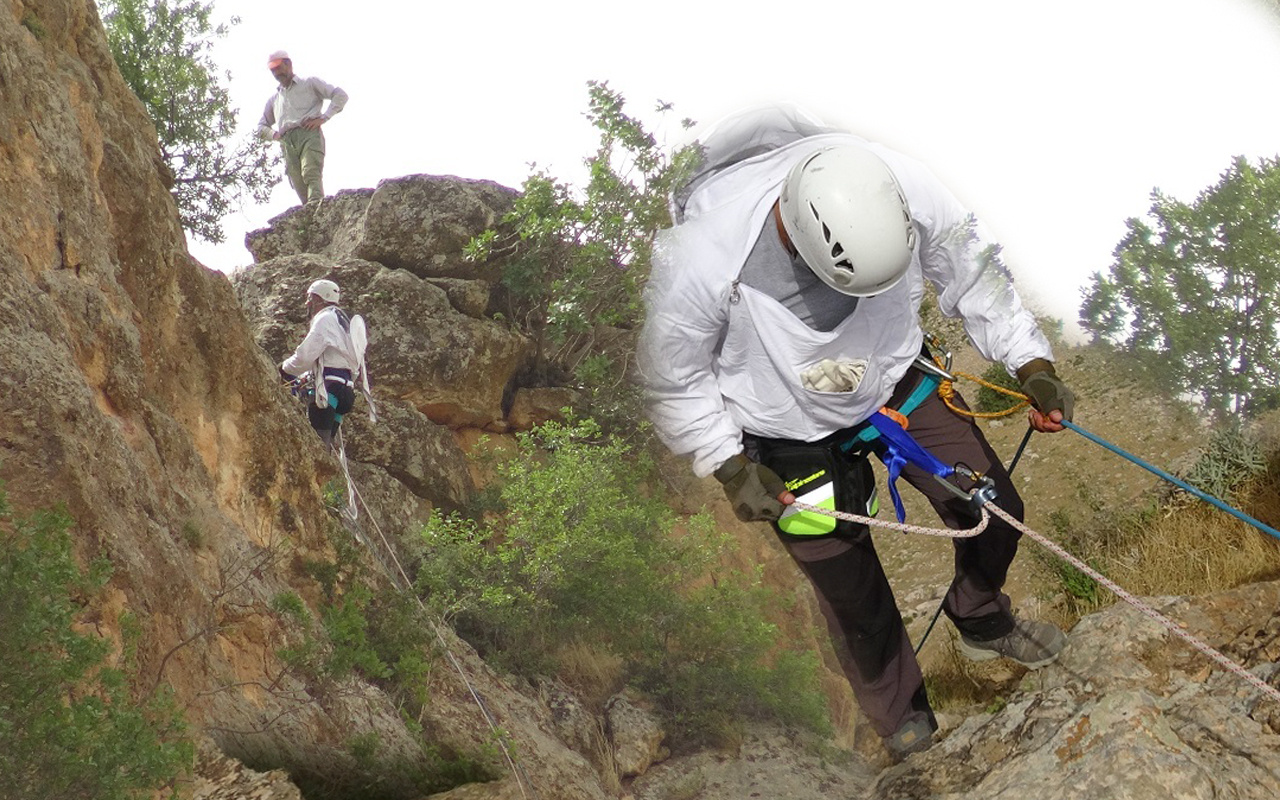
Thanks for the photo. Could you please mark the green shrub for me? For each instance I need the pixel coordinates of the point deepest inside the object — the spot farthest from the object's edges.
(69, 726)
(382, 773)
(347, 628)
(989, 401)
(1232, 457)
(32, 23)
(575, 551)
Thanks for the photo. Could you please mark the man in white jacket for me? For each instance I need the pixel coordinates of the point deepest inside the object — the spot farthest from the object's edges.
(783, 312)
(329, 354)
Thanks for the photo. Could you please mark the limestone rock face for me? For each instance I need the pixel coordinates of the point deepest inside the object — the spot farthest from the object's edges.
(135, 393)
(769, 763)
(418, 223)
(1128, 711)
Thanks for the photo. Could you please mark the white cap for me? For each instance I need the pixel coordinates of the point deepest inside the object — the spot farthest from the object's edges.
(275, 58)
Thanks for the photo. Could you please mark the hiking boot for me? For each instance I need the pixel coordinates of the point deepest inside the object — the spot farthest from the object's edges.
(914, 737)
(1032, 644)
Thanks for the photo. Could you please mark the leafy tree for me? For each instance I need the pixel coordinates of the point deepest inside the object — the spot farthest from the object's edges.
(69, 726)
(162, 48)
(571, 552)
(1196, 290)
(577, 257)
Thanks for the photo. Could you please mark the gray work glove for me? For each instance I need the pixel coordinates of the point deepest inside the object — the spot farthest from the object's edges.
(1047, 391)
(752, 489)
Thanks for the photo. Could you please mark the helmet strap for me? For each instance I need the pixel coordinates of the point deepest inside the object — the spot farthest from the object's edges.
(782, 229)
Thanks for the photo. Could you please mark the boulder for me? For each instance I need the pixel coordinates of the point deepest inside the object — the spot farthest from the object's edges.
(535, 406)
(220, 777)
(1129, 710)
(419, 223)
(635, 736)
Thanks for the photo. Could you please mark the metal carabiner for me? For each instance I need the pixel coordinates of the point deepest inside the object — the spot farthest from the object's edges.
(935, 344)
(982, 493)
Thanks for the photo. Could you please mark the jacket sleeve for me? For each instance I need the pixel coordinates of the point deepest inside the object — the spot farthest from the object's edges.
(266, 125)
(958, 256)
(309, 350)
(685, 320)
(337, 97)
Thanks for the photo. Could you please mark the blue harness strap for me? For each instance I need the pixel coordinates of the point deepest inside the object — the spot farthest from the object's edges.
(333, 403)
(899, 450)
(928, 384)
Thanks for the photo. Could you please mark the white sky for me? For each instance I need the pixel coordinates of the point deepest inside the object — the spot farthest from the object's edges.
(1052, 122)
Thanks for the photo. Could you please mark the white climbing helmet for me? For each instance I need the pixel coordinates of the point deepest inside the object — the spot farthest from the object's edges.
(326, 290)
(847, 217)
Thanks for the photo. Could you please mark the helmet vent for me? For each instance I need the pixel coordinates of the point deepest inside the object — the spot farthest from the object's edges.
(826, 233)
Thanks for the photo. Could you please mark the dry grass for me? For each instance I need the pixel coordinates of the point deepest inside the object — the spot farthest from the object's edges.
(595, 675)
(1194, 550)
(954, 682)
(1181, 547)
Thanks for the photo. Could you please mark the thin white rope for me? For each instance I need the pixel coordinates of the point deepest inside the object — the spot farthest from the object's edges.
(407, 586)
(1057, 550)
(1145, 609)
(946, 533)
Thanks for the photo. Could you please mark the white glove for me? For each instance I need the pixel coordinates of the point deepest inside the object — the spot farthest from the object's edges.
(834, 376)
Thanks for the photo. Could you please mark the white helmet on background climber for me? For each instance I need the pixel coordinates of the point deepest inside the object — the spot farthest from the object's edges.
(326, 290)
(847, 217)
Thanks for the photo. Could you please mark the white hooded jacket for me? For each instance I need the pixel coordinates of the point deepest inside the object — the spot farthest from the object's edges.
(327, 344)
(719, 358)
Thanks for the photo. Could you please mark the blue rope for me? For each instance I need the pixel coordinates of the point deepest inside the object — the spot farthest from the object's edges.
(1208, 498)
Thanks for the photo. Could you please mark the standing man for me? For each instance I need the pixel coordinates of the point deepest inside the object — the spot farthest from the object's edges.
(293, 117)
(783, 311)
(331, 357)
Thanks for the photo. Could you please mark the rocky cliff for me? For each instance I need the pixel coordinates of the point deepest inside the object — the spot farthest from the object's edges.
(139, 389)
(136, 394)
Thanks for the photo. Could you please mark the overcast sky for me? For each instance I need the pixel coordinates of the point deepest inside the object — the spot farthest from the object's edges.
(1052, 122)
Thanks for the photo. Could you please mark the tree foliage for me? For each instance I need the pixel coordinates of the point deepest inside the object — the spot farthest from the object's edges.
(571, 553)
(576, 258)
(69, 725)
(1195, 290)
(162, 48)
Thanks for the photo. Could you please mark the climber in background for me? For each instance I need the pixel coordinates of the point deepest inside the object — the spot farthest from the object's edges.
(332, 355)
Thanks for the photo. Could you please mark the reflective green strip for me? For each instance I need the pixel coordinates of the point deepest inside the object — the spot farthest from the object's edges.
(798, 483)
(807, 523)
